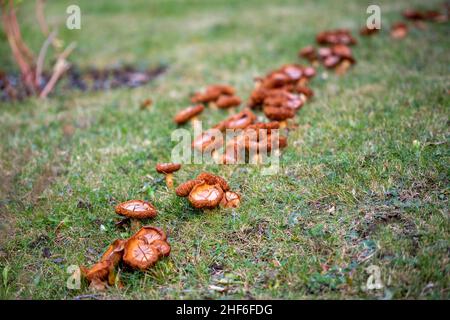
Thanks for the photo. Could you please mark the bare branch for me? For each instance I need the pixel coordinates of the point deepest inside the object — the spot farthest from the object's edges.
(60, 67)
(41, 57)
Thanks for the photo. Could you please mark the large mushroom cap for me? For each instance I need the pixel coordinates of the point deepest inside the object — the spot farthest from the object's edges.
(137, 209)
(204, 195)
(139, 254)
(167, 167)
(188, 113)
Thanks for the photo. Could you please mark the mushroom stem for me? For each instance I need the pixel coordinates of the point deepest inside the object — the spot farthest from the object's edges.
(216, 157)
(283, 124)
(135, 224)
(231, 111)
(213, 105)
(169, 180)
(195, 122)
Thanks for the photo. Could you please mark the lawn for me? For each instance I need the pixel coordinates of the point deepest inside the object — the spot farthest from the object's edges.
(364, 180)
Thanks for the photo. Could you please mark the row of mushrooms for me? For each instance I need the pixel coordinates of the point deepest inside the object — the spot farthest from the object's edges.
(279, 94)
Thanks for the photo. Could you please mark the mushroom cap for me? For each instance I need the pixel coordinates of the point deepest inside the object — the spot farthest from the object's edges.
(150, 234)
(225, 101)
(212, 179)
(167, 167)
(204, 195)
(99, 271)
(237, 121)
(342, 51)
(282, 99)
(212, 93)
(399, 30)
(188, 113)
(309, 72)
(185, 188)
(206, 139)
(230, 200)
(331, 61)
(114, 252)
(139, 254)
(145, 248)
(137, 209)
(279, 114)
(308, 52)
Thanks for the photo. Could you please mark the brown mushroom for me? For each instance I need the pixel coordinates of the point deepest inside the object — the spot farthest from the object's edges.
(184, 189)
(190, 113)
(212, 93)
(214, 179)
(135, 210)
(102, 273)
(204, 195)
(399, 30)
(338, 36)
(238, 121)
(114, 252)
(279, 114)
(139, 254)
(211, 139)
(145, 248)
(365, 31)
(168, 169)
(227, 102)
(308, 53)
(230, 200)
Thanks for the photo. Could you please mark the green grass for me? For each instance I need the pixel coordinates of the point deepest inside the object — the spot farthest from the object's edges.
(363, 182)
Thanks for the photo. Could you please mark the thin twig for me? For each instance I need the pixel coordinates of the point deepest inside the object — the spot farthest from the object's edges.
(41, 57)
(60, 67)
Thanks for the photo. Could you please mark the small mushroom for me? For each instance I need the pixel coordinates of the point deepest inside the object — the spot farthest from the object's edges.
(228, 102)
(168, 169)
(281, 114)
(366, 32)
(204, 195)
(190, 113)
(399, 30)
(308, 53)
(212, 93)
(230, 200)
(135, 210)
(238, 121)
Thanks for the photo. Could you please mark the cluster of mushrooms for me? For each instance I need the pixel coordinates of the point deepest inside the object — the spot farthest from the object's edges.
(141, 251)
(208, 191)
(334, 53)
(149, 244)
